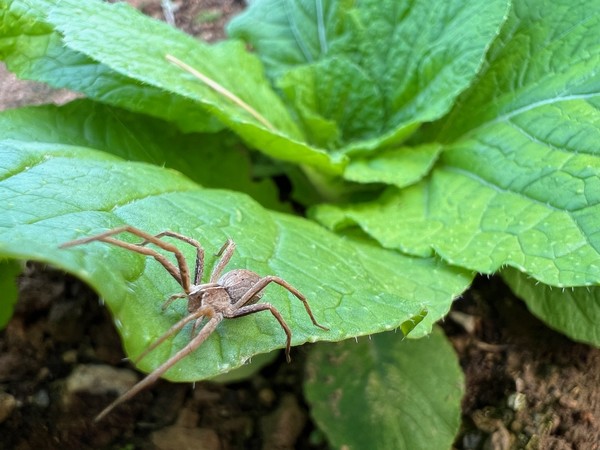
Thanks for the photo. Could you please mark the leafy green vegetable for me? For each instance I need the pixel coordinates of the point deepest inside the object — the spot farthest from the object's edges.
(143, 58)
(518, 182)
(399, 166)
(34, 50)
(213, 160)
(371, 71)
(116, 55)
(384, 392)
(572, 311)
(53, 195)
(461, 133)
(289, 34)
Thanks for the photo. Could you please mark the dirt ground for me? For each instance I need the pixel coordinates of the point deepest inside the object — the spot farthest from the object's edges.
(61, 360)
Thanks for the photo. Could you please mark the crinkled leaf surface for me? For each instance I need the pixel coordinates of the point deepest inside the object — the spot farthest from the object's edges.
(212, 160)
(135, 46)
(398, 166)
(544, 63)
(55, 192)
(335, 99)
(287, 34)
(33, 50)
(385, 392)
(574, 312)
(377, 69)
(519, 181)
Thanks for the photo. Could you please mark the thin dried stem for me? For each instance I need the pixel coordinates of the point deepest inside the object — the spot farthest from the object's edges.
(221, 90)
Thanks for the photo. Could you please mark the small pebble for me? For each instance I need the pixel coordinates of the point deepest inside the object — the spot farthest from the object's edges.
(267, 397)
(282, 427)
(98, 379)
(182, 438)
(41, 399)
(70, 356)
(7, 405)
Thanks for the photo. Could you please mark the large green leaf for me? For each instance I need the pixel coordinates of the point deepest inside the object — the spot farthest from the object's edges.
(401, 166)
(543, 65)
(374, 70)
(116, 55)
(54, 193)
(519, 181)
(33, 50)
(386, 393)
(574, 312)
(287, 34)
(212, 160)
(335, 100)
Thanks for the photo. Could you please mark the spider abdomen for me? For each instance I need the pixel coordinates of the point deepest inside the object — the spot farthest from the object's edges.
(239, 281)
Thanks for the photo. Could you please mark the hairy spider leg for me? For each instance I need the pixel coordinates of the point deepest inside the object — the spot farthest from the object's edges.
(257, 307)
(198, 272)
(152, 377)
(181, 275)
(237, 309)
(226, 252)
(263, 283)
(171, 299)
(205, 311)
(199, 269)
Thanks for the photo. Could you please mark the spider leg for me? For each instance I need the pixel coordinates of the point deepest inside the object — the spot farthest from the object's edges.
(171, 299)
(196, 325)
(225, 253)
(181, 275)
(264, 282)
(257, 307)
(204, 311)
(199, 269)
(152, 377)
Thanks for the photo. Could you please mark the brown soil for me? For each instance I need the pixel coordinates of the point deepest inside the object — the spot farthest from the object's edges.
(528, 387)
(61, 361)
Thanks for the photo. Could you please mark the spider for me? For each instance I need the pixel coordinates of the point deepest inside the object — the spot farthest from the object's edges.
(233, 294)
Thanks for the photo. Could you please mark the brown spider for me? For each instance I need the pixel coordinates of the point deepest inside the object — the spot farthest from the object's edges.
(231, 295)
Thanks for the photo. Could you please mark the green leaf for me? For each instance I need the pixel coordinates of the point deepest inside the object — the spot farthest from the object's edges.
(574, 312)
(519, 181)
(213, 160)
(387, 219)
(287, 34)
(8, 271)
(33, 50)
(543, 65)
(398, 166)
(326, 94)
(385, 392)
(377, 68)
(247, 370)
(136, 47)
(54, 193)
